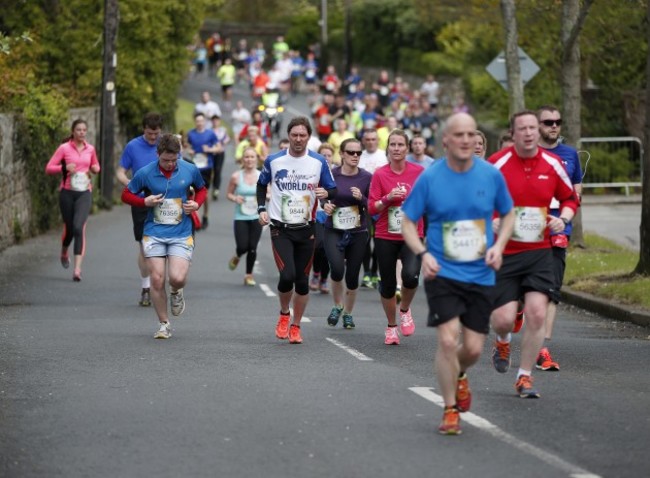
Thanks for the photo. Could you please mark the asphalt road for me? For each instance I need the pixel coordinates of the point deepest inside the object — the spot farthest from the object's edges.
(86, 391)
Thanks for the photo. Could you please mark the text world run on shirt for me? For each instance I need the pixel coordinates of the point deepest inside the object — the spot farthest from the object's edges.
(293, 181)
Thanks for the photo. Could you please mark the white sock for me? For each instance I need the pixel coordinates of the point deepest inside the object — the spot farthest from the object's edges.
(146, 282)
(523, 372)
(506, 339)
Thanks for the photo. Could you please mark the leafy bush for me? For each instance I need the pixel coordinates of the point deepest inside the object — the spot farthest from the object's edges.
(609, 166)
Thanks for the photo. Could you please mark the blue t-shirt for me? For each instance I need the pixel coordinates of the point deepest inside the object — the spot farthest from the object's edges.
(459, 208)
(571, 162)
(166, 221)
(426, 162)
(293, 183)
(197, 140)
(138, 153)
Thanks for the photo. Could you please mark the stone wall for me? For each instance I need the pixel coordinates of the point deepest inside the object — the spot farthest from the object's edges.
(15, 200)
(15, 203)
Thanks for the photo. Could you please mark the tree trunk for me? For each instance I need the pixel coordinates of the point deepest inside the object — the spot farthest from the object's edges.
(643, 267)
(513, 69)
(573, 18)
(571, 99)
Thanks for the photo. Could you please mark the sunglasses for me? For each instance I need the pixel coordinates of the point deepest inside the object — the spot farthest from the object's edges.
(353, 153)
(557, 122)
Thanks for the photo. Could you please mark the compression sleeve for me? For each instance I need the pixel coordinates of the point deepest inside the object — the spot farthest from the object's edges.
(261, 195)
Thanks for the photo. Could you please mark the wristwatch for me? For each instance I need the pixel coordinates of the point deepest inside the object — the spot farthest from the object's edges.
(261, 209)
(420, 254)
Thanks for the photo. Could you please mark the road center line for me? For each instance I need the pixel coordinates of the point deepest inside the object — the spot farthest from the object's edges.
(488, 427)
(355, 353)
(267, 290)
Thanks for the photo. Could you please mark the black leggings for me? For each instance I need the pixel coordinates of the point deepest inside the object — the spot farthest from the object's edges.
(293, 251)
(351, 255)
(75, 208)
(216, 168)
(247, 236)
(387, 254)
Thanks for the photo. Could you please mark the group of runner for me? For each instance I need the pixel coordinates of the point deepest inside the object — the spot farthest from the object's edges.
(493, 238)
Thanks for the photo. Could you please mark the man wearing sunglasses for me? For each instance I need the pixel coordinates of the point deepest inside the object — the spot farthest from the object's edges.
(550, 127)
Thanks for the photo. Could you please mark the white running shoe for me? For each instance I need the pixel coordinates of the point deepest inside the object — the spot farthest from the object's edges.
(177, 302)
(164, 332)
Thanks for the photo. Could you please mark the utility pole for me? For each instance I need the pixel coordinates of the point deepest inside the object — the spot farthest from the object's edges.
(323, 36)
(107, 116)
(348, 38)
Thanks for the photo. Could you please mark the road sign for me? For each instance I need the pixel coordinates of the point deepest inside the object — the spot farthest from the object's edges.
(497, 68)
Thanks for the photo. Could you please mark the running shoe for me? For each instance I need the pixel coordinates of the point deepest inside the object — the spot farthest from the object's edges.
(545, 362)
(391, 336)
(519, 319)
(348, 321)
(177, 302)
(164, 332)
(367, 281)
(463, 394)
(76, 275)
(375, 281)
(501, 356)
(204, 223)
(450, 424)
(294, 334)
(324, 288)
(406, 324)
(334, 316)
(233, 262)
(282, 327)
(524, 387)
(65, 259)
(145, 298)
(398, 294)
(314, 283)
(249, 281)
(215, 195)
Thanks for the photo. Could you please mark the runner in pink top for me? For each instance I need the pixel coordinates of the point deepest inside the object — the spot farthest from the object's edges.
(76, 160)
(388, 189)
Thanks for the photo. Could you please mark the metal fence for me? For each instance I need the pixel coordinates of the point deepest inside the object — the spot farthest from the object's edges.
(611, 163)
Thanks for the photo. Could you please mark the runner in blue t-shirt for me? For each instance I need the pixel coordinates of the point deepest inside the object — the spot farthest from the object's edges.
(168, 241)
(458, 196)
(138, 153)
(550, 127)
(203, 145)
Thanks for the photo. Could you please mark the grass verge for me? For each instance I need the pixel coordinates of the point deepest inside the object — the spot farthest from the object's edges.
(605, 269)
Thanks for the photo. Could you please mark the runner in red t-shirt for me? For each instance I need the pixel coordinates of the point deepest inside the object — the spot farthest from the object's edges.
(534, 176)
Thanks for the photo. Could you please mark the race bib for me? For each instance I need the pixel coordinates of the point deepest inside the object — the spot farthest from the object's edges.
(295, 210)
(169, 212)
(201, 160)
(352, 88)
(383, 91)
(530, 223)
(249, 206)
(464, 241)
(310, 74)
(427, 133)
(330, 85)
(325, 120)
(79, 182)
(395, 220)
(346, 217)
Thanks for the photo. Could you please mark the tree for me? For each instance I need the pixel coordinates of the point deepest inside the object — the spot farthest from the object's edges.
(643, 267)
(515, 85)
(573, 19)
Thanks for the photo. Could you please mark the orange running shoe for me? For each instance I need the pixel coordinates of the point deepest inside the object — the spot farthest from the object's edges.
(294, 334)
(501, 356)
(282, 327)
(519, 321)
(545, 362)
(525, 388)
(463, 394)
(450, 422)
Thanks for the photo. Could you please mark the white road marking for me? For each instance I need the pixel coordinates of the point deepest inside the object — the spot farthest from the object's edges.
(355, 353)
(267, 290)
(488, 427)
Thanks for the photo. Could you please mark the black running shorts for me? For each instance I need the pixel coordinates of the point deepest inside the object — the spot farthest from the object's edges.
(529, 271)
(448, 298)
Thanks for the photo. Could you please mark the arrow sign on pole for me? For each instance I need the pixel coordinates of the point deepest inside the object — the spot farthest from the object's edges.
(497, 68)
